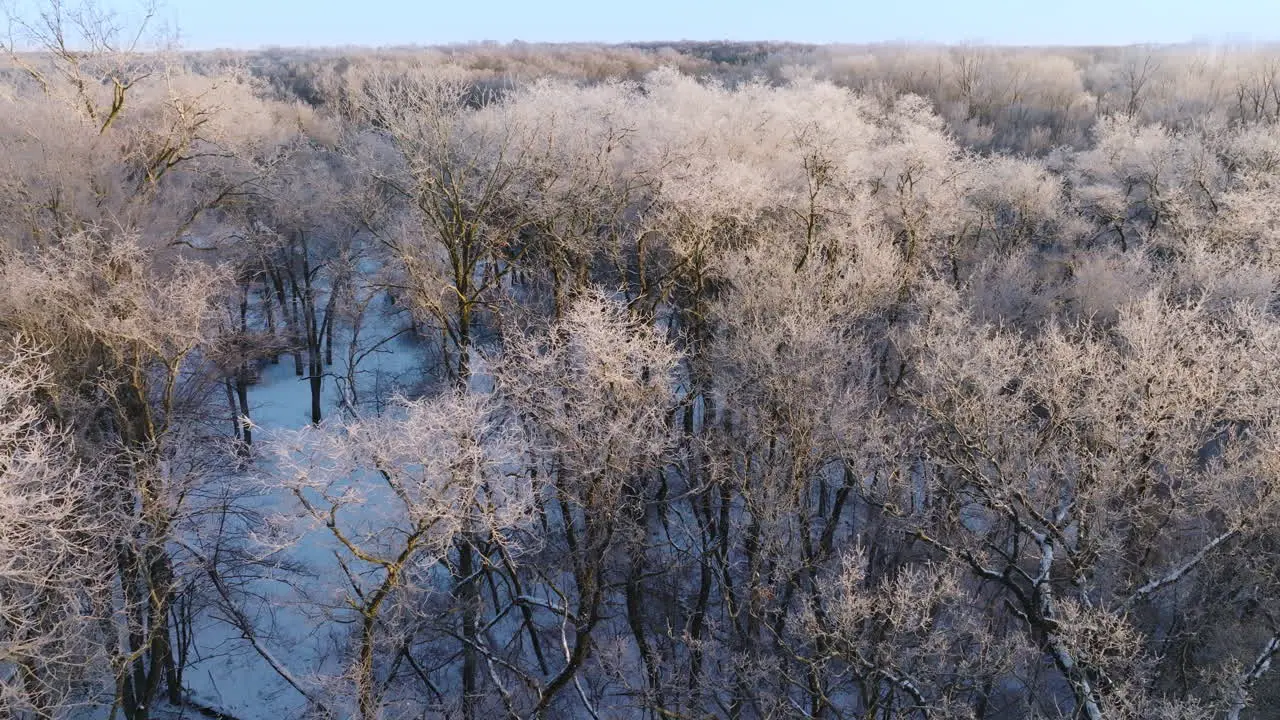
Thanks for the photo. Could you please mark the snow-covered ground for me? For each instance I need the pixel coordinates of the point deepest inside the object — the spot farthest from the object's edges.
(300, 583)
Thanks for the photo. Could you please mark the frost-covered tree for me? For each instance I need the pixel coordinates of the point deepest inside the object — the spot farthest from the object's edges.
(57, 527)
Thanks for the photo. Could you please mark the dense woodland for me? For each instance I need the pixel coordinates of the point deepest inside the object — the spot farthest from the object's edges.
(691, 380)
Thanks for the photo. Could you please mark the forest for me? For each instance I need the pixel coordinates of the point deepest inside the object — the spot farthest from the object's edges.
(662, 381)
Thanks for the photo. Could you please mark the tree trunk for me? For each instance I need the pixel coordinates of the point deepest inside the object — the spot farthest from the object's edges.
(468, 593)
(242, 392)
(231, 403)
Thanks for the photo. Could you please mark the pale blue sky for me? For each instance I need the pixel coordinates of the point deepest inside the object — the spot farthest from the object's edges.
(253, 23)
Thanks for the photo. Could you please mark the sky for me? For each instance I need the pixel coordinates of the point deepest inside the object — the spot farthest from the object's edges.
(256, 23)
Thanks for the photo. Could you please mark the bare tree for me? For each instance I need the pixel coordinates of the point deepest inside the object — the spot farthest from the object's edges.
(124, 337)
(55, 526)
(395, 493)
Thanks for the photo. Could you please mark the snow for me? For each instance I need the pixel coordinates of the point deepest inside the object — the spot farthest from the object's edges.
(299, 585)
